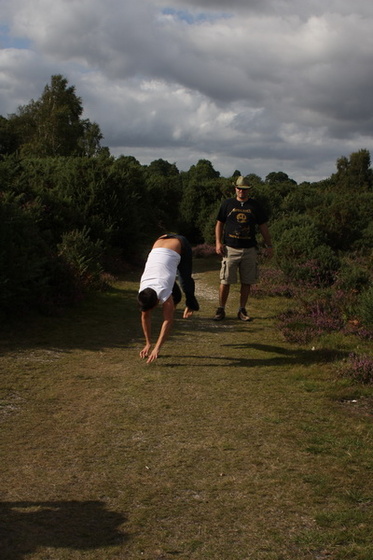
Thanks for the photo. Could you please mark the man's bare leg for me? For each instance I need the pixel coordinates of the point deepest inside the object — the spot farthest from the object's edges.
(223, 294)
(244, 294)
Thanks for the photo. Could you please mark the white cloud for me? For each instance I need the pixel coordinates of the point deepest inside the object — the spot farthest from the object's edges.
(258, 85)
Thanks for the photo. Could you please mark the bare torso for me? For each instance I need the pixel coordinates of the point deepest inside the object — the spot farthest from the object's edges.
(168, 243)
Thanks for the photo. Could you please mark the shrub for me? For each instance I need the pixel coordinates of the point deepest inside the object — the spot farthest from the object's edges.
(23, 255)
(204, 250)
(272, 283)
(302, 326)
(352, 276)
(83, 256)
(316, 272)
(62, 287)
(303, 257)
(319, 312)
(365, 307)
(359, 368)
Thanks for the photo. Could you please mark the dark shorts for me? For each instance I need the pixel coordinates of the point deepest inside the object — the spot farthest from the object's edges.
(242, 260)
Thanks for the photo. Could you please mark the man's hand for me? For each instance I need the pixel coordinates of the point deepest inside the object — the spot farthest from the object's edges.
(269, 252)
(220, 249)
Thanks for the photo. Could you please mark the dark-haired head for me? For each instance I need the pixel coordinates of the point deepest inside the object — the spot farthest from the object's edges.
(147, 299)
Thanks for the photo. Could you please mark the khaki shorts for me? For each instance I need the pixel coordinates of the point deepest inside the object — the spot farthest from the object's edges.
(243, 260)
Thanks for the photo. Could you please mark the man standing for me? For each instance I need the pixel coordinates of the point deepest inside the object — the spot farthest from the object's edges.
(235, 234)
(170, 255)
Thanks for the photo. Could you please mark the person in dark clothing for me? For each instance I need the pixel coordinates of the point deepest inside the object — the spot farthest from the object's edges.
(235, 234)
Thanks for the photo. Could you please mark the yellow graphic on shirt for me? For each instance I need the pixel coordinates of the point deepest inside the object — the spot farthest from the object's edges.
(241, 218)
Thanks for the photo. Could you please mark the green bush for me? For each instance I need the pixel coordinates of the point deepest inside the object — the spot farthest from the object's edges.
(83, 256)
(302, 256)
(352, 276)
(365, 307)
(23, 255)
(281, 225)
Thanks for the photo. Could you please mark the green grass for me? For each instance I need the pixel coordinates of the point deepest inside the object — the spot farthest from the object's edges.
(233, 445)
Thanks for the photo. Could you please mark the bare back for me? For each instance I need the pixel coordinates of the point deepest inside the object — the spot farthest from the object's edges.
(168, 243)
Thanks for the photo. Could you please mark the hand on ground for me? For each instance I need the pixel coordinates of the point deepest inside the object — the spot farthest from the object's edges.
(187, 313)
(145, 351)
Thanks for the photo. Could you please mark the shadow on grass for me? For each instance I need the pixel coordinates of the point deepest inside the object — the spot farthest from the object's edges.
(277, 356)
(28, 526)
(104, 320)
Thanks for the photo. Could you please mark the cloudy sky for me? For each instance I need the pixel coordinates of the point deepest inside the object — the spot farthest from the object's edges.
(253, 85)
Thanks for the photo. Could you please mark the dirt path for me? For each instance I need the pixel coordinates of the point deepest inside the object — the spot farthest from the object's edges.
(231, 446)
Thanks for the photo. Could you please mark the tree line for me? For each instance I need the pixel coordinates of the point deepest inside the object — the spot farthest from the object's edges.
(69, 211)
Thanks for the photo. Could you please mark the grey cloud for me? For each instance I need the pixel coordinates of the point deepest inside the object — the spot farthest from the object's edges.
(264, 83)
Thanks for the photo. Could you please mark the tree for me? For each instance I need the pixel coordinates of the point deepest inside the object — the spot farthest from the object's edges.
(279, 177)
(8, 138)
(354, 172)
(52, 125)
(163, 186)
(202, 171)
(90, 141)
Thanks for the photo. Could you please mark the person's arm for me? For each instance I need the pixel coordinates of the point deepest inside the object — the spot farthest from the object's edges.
(146, 327)
(263, 228)
(219, 247)
(168, 319)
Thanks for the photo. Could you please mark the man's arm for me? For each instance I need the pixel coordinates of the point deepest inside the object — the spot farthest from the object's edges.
(219, 247)
(168, 319)
(263, 228)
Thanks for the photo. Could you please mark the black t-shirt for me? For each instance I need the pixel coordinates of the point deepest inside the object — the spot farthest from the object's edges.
(241, 219)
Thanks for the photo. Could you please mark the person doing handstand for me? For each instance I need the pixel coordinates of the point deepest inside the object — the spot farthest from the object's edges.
(170, 256)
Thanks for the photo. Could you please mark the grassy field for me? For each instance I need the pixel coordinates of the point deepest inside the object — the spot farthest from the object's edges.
(233, 445)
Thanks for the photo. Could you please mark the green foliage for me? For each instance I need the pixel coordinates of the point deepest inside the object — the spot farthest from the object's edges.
(202, 190)
(300, 200)
(65, 202)
(299, 242)
(208, 227)
(343, 218)
(52, 125)
(278, 177)
(23, 255)
(126, 207)
(273, 192)
(281, 225)
(52, 197)
(83, 256)
(164, 189)
(365, 307)
(365, 243)
(352, 276)
(354, 173)
(303, 256)
(8, 138)
(200, 172)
